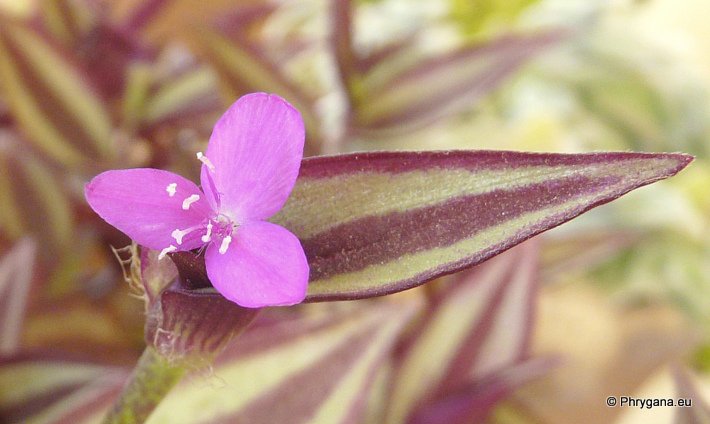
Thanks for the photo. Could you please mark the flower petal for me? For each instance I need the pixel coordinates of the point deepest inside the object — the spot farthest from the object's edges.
(264, 266)
(139, 203)
(256, 148)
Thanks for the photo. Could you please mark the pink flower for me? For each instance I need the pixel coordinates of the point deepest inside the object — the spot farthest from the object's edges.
(248, 172)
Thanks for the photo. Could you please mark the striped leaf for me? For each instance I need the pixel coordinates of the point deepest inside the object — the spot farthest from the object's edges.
(582, 251)
(686, 388)
(310, 370)
(136, 15)
(440, 86)
(184, 324)
(49, 390)
(473, 403)
(478, 328)
(377, 223)
(188, 94)
(341, 39)
(65, 20)
(30, 195)
(51, 98)
(81, 327)
(242, 68)
(15, 281)
(314, 369)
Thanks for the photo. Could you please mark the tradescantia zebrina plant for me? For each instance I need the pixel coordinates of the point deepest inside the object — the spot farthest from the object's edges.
(268, 229)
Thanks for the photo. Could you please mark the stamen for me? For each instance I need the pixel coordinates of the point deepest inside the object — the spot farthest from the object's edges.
(171, 189)
(208, 236)
(225, 244)
(167, 250)
(178, 235)
(202, 158)
(190, 200)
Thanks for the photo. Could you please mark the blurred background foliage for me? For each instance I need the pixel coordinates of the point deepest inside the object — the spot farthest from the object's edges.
(90, 85)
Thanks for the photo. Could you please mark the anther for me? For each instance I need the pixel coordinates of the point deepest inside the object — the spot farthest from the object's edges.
(202, 158)
(207, 237)
(225, 244)
(165, 251)
(190, 200)
(178, 235)
(171, 189)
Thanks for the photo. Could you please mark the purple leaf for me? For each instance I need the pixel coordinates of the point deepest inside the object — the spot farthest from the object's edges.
(30, 194)
(243, 68)
(52, 98)
(443, 85)
(16, 269)
(377, 223)
(581, 252)
(699, 413)
(143, 14)
(341, 39)
(479, 325)
(474, 402)
(186, 324)
(317, 368)
(56, 389)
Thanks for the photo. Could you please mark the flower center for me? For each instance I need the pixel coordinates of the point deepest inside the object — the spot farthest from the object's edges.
(218, 229)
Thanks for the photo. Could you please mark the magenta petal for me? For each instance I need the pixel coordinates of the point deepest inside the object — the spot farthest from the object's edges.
(264, 266)
(137, 202)
(256, 148)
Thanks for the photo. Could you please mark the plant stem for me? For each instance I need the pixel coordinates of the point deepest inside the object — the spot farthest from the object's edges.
(151, 380)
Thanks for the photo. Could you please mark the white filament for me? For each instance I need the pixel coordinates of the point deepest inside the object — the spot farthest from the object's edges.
(202, 158)
(207, 237)
(165, 251)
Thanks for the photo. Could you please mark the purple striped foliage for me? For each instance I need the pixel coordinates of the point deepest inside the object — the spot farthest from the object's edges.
(79, 97)
(16, 269)
(142, 13)
(378, 223)
(243, 67)
(317, 368)
(470, 348)
(186, 324)
(182, 323)
(29, 195)
(441, 86)
(313, 368)
(56, 390)
(63, 20)
(686, 388)
(52, 97)
(473, 402)
(386, 97)
(582, 252)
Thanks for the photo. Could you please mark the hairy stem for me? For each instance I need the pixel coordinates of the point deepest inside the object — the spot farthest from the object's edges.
(151, 380)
